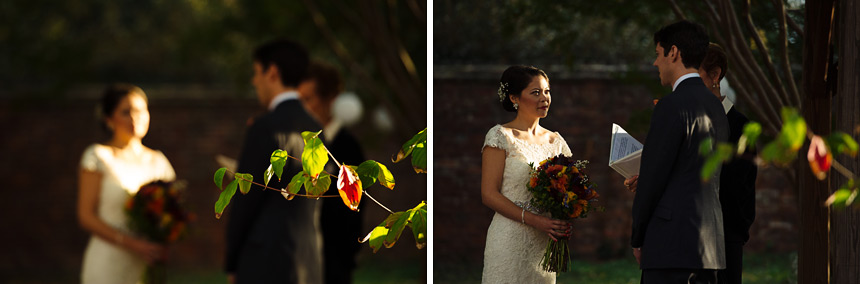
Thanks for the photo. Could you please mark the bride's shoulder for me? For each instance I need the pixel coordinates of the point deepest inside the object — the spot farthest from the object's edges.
(496, 137)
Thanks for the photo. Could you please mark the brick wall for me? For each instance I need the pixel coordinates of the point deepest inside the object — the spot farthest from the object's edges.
(584, 106)
(41, 145)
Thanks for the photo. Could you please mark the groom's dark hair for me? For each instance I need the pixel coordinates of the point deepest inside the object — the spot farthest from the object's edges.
(690, 38)
(290, 57)
(514, 80)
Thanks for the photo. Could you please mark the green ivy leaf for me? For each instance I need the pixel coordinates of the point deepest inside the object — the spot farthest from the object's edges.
(225, 198)
(315, 156)
(244, 182)
(419, 225)
(319, 187)
(267, 176)
(296, 184)
(278, 160)
(219, 177)
(793, 132)
(372, 171)
(841, 142)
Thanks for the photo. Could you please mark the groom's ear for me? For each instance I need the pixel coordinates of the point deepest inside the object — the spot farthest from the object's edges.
(674, 53)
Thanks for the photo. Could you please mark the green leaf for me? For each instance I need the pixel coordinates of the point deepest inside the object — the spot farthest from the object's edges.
(315, 156)
(840, 142)
(319, 187)
(706, 146)
(793, 132)
(396, 228)
(419, 225)
(419, 158)
(219, 177)
(715, 160)
(371, 171)
(244, 182)
(376, 237)
(409, 146)
(225, 197)
(278, 160)
(267, 176)
(752, 130)
(296, 184)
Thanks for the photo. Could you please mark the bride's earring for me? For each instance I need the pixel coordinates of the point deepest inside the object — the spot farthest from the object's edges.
(516, 106)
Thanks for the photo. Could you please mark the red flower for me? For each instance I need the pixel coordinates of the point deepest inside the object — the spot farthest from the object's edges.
(349, 187)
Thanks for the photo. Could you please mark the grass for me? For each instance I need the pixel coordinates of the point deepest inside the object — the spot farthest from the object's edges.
(759, 268)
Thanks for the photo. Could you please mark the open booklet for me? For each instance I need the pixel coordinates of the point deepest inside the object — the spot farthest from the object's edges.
(625, 152)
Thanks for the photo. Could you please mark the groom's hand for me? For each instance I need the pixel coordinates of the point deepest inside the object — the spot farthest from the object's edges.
(637, 253)
(632, 183)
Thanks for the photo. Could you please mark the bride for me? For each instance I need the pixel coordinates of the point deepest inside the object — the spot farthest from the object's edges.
(516, 238)
(110, 173)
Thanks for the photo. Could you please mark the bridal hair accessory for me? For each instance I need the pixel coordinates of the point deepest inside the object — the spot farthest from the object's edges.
(503, 91)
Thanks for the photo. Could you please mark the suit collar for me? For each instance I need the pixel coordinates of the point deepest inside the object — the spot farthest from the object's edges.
(282, 97)
(682, 78)
(727, 104)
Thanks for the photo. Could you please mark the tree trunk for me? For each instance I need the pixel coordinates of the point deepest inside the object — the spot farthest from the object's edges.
(845, 234)
(813, 256)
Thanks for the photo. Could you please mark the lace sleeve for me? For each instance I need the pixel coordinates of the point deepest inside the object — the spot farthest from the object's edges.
(90, 161)
(565, 149)
(496, 139)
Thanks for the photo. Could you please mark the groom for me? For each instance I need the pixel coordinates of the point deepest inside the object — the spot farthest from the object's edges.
(271, 239)
(677, 234)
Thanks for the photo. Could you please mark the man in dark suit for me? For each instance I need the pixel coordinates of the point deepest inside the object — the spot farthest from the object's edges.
(341, 227)
(677, 234)
(737, 179)
(271, 239)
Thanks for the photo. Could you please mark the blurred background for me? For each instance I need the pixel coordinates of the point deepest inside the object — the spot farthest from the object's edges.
(193, 60)
(598, 56)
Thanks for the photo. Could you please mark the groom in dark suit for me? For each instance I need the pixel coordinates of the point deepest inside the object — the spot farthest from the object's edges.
(677, 234)
(271, 239)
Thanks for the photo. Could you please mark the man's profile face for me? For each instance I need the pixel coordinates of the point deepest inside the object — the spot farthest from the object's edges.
(259, 83)
(662, 63)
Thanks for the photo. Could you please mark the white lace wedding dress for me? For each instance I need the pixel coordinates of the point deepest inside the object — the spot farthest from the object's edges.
(103, 261)
(513, 251)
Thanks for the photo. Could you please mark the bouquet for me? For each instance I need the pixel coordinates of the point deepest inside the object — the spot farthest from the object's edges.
(155, 213)
(559, 186)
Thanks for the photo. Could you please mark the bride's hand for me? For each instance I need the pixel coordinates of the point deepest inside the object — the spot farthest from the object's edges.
(554, 228)
(149, 251)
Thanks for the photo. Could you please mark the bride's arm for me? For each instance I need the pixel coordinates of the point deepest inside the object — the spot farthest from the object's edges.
(492, 170)
(89, 187)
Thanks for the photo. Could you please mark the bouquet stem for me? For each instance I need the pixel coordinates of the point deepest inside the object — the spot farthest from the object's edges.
(155, 273)
(556, 257)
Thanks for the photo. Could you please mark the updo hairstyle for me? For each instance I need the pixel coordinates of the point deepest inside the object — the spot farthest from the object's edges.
(514, 80)
(111, 98)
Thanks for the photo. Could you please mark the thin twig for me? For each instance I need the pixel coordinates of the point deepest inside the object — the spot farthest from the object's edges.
(377, 202)
(677, 10)
(283, 190)
(842, 170)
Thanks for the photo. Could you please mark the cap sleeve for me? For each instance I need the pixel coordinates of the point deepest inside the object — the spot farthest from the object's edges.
(90, 161)
(165, 170)
(496, 139)
(565, 149)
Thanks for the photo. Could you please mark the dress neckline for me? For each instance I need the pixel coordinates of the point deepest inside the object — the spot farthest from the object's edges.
(511, 134)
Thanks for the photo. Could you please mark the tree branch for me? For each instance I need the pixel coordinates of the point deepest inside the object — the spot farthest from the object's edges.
(783, 50)
(763, 51)
(794, 26)
(677, 10)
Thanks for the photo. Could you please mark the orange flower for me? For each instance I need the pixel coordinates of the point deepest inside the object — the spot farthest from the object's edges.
(349, 187)
(533, 181)
(554, 169)
(819, 157)
(560, 184)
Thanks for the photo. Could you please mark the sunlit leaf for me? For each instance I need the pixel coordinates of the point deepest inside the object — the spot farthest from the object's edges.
(841, 142)
(419, 225)
(225, 197)
(417, 146)
(715, 160)
(752, 130)
(349, 186)
(244, 182)
(314, 156)
(278, 160)
(372, 171)
(267, 176)
(319, 187)
(396, 228)
(819, 157)
(419, 158)
(376, 237)
(793, 132)
(219, 177)
(295, 185)
(706, 146)
(839, 199)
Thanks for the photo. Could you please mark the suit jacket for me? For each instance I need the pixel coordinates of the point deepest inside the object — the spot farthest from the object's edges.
(271, 239)
(737, 185)
(677, 219)
(341, 227)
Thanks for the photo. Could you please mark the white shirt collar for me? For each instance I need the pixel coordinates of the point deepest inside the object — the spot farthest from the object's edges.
(727, 104)
(282, 97)
(685, 76)
(331, 130)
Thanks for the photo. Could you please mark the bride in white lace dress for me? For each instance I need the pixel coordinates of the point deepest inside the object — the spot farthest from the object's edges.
(518, 234)
(110, 173)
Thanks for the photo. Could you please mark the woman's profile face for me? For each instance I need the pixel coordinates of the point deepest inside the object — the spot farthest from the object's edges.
(535, 99)
(131, 117)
